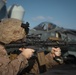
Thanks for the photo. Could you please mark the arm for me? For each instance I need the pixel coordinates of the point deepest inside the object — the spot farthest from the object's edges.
(8, 67)
(49, 61)
(50, 58)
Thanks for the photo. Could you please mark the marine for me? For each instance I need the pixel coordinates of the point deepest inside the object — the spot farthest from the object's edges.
(10, 31)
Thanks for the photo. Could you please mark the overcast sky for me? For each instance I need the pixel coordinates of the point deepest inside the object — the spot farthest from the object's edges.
(59, 12)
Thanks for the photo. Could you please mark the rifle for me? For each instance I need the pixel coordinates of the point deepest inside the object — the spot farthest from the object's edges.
(40, 46)
(37, 44)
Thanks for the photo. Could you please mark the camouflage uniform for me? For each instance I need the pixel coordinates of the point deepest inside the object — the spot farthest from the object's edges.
(8, 67)
(50, 62)
(11, 30)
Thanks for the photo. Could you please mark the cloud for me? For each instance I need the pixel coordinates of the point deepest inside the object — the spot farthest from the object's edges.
(49, 18)
(39, 18)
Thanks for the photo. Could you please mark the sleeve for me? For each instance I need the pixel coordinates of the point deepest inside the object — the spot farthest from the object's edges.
(35, 68)
(13, 67)
(50, 62)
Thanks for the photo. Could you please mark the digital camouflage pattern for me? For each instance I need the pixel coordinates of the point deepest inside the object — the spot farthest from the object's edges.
(11, 30)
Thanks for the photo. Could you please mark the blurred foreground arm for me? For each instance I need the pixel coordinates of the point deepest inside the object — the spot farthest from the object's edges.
(8, 67)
